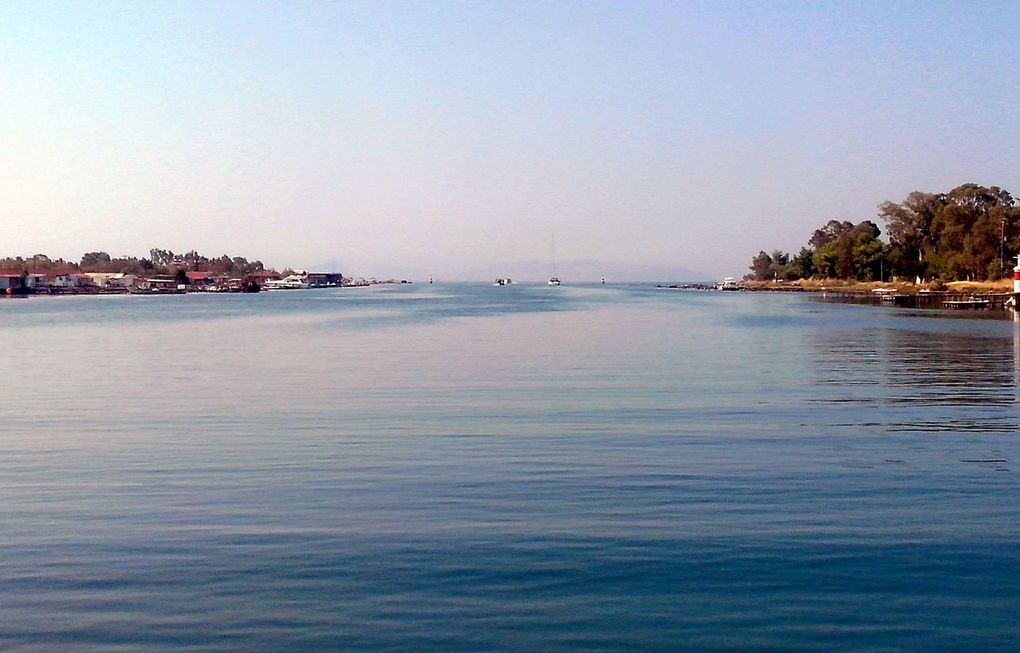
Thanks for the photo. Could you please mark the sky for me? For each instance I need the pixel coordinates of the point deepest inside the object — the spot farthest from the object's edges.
(443, 138)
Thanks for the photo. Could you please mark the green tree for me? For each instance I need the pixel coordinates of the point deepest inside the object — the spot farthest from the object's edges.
(831, 231)
(781, 267)
(760, 265)
(850, 253)
(803, 263)
(967, 233)
(866, 251)
(94, 261)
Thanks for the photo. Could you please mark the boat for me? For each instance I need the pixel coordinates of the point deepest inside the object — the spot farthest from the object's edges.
(296, 281)
(729, 283)
(505, 281)
(553, 280)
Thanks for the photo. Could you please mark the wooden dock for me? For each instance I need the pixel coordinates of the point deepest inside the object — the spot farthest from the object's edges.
(935, 300)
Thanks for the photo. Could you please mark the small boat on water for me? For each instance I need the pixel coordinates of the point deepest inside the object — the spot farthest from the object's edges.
(553, 280)
(729, 283)
(297, 281)
(505, 281)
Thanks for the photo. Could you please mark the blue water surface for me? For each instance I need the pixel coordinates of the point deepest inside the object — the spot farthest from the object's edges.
(458, 467)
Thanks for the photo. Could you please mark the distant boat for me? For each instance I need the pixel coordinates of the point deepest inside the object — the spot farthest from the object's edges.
(553, 280)
(297, 281)
(729, 283)
(503, 282)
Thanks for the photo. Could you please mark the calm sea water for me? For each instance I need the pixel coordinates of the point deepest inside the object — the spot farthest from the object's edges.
(468, 468)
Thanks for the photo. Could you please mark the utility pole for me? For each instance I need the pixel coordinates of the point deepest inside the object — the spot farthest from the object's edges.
(1002, 246)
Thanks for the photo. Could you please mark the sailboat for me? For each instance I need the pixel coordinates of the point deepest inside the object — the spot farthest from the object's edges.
(554, 280)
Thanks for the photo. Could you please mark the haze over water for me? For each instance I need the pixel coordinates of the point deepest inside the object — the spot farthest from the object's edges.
(462, 467)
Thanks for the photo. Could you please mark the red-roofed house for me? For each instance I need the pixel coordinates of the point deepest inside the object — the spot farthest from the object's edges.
(200, 279)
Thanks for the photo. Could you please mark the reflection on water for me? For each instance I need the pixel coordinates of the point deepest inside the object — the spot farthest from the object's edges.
(924, 380)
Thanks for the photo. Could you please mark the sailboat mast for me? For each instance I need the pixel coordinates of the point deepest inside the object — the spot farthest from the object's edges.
(554, 280)
(554, 253)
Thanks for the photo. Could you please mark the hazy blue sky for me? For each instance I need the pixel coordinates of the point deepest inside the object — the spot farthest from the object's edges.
(395, 137)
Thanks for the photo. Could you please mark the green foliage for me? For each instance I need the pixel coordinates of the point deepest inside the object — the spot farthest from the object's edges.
(103, 262)
(832, 230)
(803, 264)
(93, 260)
(773, 267)
(160, 262)
(224, 265)
(35, 263)
(970, 233)
(848, 251)
(760, 265)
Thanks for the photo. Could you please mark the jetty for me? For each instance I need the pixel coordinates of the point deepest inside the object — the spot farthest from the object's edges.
(931, 300)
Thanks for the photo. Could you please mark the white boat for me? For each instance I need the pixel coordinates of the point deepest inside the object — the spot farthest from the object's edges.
(297, 281)
(503, 282)
(729, 283)
(553, 280)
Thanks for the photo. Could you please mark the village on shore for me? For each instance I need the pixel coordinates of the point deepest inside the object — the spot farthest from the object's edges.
(14, 282)
(162, 273)
(63, 282)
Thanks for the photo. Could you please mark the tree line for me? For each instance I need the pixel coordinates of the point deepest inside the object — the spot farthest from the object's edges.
(159, 262)
(969, 233)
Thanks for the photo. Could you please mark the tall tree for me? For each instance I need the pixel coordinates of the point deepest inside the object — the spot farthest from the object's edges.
(910, 226)
(803, 263)
(832, 230)
(967, 233)
(760, 266)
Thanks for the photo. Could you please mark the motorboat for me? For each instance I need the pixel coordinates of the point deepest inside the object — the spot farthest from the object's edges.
(290, 282)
